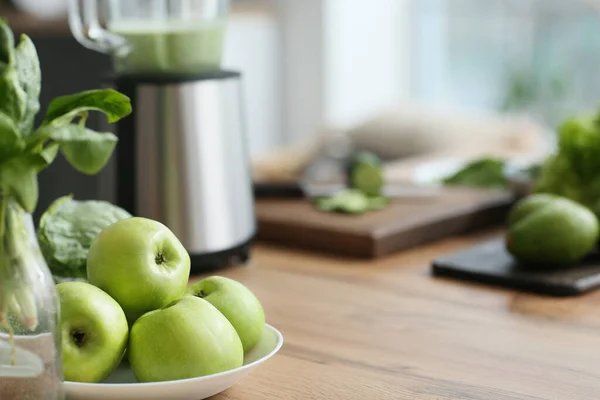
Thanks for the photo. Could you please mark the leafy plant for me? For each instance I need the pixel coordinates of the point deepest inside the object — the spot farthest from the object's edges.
(574, 170)
(26, 150)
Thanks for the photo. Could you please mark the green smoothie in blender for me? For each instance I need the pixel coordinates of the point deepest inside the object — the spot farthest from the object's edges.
(173, 47)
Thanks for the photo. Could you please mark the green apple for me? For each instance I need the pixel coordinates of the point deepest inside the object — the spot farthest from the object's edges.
(237, 303)
(140, 263)
(94, 332)
(186, 339)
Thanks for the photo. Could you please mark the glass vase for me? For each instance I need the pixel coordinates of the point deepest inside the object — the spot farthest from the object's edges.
(30, 342)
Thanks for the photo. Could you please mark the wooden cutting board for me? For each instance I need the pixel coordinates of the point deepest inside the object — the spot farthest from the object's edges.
(406, 223)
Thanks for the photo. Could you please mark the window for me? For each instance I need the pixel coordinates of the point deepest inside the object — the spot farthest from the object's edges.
(313, 64)
(538, 57)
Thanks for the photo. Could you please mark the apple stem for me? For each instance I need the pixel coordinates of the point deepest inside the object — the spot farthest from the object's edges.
(159, 259)
(78, 337)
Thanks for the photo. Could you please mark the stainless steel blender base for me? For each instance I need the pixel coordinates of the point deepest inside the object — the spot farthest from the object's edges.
(208, 262)
(183, 160)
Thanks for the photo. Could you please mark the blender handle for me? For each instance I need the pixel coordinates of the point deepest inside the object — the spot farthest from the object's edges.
(87, 30)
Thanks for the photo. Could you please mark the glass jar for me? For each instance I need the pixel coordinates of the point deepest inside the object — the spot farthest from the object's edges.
(30, 341)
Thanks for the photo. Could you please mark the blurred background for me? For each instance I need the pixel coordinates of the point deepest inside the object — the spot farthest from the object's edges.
(402, 77)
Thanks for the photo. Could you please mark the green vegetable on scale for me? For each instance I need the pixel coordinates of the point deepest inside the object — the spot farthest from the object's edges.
(546, 231)
(26, 150)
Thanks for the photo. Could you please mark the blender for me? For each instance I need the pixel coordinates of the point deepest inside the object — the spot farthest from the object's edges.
(182, 157)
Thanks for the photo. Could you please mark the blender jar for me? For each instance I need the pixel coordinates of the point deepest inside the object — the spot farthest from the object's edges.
(153, 37)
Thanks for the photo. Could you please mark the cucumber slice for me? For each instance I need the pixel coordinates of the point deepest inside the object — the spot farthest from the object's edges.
(326, 204)
(379, 202)
(348, 201)
(354, 202)
(367, 178)
(365, 173)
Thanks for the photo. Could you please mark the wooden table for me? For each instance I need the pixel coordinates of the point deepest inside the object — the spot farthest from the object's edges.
(389, 330)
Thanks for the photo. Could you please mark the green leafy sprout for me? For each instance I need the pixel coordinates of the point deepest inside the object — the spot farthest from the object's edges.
(25, 150)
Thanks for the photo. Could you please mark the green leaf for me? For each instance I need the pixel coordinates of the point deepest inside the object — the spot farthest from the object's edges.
(67, 229)
(7, 45)
(30, 79)
(10, 141)
(49, 153)
(18, 178)
(45, 157)
(86, 150)
(482, 173)
(13, 96)
(62, 110)
(36, 141)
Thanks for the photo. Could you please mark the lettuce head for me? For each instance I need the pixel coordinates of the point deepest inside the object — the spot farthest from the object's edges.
(574, 170)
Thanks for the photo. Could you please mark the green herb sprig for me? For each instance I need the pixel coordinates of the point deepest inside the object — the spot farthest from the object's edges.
(26, 150)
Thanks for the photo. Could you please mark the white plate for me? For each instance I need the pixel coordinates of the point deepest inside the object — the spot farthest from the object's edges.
(121, 384)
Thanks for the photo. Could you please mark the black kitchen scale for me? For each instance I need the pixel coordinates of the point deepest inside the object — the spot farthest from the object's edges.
(490, 263)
